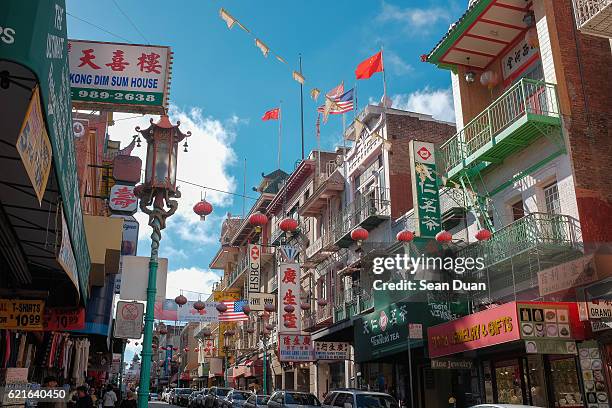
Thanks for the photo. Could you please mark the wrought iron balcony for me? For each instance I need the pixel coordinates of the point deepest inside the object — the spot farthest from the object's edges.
(523, 113)
(319, 317)
(516, 253)
(594, 17)
(352, 302)
(240, 267)
(367, 211)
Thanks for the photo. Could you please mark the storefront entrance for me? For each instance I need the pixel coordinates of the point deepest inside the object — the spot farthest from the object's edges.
(539, 380)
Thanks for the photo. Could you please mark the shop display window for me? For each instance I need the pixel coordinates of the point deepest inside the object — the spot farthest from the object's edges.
(536, 381)
(564, 378)
(509, 384)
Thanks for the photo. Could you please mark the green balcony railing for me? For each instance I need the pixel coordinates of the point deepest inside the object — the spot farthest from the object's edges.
(375, 203)
(535, 230)
(358, 302)
(527, 98)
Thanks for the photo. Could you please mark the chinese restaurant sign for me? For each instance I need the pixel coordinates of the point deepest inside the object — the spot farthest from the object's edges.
(482, 329)
(331, 350)
(21, 314)
(122, 199)
(254, 267)
(119, 77)
(517, 58)
(295, 348)
(40, 44)
(425, 190)
(288, 300)
(60, 318)
(34, 147)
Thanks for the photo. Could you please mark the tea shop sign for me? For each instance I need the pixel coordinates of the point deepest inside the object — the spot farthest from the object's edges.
(478, 330)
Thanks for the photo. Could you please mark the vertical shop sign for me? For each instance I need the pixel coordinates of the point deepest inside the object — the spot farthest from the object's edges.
(425, 190)
(65, 256)
(34, 146)
(289, 295)
(254, 267)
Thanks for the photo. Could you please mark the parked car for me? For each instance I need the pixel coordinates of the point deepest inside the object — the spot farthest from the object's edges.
(502, 406)
(153, 396)
(191, 402)
(215, 394)
(181, 396)
(257, 401)
(170, 396)
(199, 401)
(354, 398)
(293, 399)
(235, 399)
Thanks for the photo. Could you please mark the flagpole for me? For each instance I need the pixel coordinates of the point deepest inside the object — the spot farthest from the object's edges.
(244, 188)
(302, 107)
(384, 107)
(356, 104)
(280, 131)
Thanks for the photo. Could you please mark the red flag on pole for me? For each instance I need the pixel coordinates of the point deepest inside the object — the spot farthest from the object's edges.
(370, 66)
(271, 114)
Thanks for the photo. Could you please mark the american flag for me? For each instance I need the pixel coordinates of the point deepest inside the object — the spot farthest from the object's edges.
(234, 312)
(342, 104)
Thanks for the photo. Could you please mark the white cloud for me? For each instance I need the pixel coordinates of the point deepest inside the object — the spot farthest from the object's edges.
(412, 17)
(397, 64)
(207, 161)
(435, 102)
(190, 279)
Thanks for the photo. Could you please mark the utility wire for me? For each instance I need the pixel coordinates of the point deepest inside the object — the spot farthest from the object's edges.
(132, 23)
(98, 27)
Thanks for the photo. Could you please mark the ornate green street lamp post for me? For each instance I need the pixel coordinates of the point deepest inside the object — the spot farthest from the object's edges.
(156, 194)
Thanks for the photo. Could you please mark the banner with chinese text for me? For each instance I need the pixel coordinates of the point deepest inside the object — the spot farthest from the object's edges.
(119, 77)
(425, 192)
(288, 298)
(331, 350)
(295, 348)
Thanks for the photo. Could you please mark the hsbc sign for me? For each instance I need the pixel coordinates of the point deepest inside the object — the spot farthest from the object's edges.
(254, 268)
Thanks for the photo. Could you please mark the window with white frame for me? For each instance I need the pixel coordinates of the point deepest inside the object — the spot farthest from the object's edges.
(551, 198)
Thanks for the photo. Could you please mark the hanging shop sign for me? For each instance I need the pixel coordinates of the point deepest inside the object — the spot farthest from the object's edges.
(119, 77)
(517, 58)
(331, 350)
(593, 374)
(116, 363)
(568, 275)
(122, 199)
(187, 313)
(288, 300)
(425, 189)
(415, 331)
(482, 329)
(451, 364)
(254, 267)
(295, 348)
(544, 321)
(80, 126)
(135, 277)
(600, 309)
(34, 146)
(225, 296)
(21, 314)
(126, 169)
(64, 318)
(129, 239)
(128, 320)
(257, 301)
(66, 257)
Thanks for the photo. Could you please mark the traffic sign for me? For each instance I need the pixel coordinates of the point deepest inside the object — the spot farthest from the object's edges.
(128, 321)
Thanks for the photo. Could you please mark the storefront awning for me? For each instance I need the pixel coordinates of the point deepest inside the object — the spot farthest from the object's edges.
(104, 236)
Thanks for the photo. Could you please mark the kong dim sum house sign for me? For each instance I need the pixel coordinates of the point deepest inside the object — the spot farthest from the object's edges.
(119, 77)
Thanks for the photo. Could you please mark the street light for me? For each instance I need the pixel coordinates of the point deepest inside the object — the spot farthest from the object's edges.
(157, 191)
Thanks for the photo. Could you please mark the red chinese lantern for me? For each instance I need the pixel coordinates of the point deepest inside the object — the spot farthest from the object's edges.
(203, 208)
(490, 79)
(199, 305)
(268, 327)
(288, 225)
(444, 237)
(175, 348)
(531, 37)
(180, 300)
(405, 236)
(322, 302)
(206, 332)
(359, 234)
(186, 349)
(483, 235)
(289, 308)
(305, 306)
(229, 333)
(246, 309)
(250, 330)
(163, 348)
(197, 349)
(154, 346)
(221, 307)
(258, 220)
(269, 307)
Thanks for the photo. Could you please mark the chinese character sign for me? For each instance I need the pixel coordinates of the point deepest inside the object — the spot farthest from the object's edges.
(293, 347)
(122, 199)
(289, 298)
(518, 57)
(331, 350)
(130, 78)
(426, 199)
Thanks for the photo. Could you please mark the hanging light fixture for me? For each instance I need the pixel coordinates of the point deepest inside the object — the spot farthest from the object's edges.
(258, 220)
(483, 235)
(444, 237)
(470, 76)
(221, 307)
(199, 305)
(180, 300)
(289, 308)
(359, 235)
(288, 225)
(203, 208)
(269, 307)
(405, 236)
(305, 306)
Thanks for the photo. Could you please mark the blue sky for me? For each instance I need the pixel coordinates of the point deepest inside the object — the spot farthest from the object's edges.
(222, 84)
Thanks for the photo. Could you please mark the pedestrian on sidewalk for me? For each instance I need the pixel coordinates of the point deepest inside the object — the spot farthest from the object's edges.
(83, 398)
(129, 402)
(110, 398)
